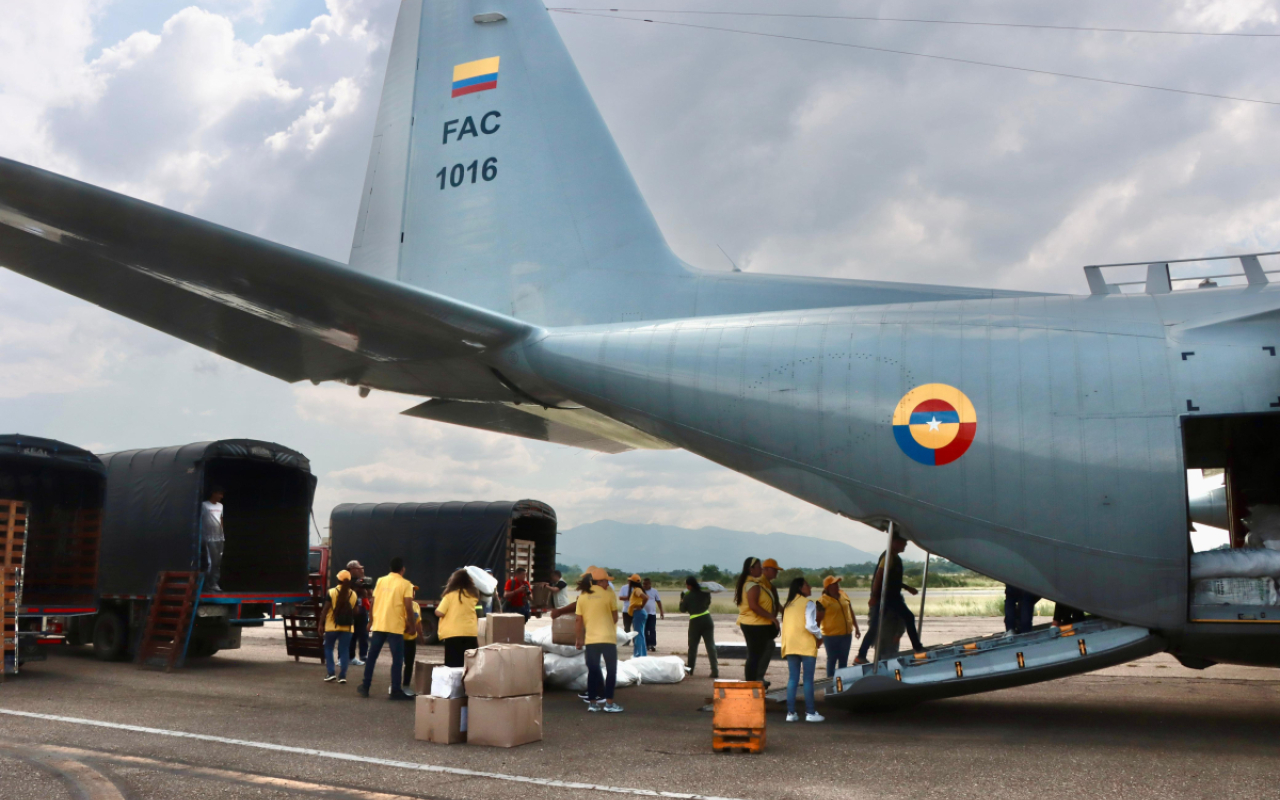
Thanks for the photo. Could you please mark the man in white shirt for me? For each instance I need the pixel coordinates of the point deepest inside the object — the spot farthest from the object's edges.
(212, 536)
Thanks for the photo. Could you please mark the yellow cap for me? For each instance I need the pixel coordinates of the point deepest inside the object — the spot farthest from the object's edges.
(598, 574)
(830, 579)
(769, 562)
(344, 576)
(635, 576)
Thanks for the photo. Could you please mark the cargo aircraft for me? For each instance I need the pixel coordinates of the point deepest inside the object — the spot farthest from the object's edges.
(505, 266)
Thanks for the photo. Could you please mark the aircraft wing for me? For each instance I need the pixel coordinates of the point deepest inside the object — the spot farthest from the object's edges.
(281, 311)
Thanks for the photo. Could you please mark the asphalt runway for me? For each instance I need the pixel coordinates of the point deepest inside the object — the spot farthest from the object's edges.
(1150, 729)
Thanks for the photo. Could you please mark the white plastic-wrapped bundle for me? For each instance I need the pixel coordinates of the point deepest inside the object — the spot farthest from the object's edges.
(713, 587)
(1235, 592)
(485, 583)
(541, 637)
(1249, 562)
(627, 674)
(659, 669)
(562, 671)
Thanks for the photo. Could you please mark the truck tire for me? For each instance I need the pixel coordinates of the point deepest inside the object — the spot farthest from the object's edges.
(110, 636)
(200, 646)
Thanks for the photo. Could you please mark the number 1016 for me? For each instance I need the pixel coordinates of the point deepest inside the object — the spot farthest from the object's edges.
(458, 173)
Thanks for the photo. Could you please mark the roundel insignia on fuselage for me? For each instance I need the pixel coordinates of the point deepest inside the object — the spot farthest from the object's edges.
(934, 424)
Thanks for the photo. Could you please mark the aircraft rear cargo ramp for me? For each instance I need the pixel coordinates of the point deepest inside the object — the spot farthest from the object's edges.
(993, 662)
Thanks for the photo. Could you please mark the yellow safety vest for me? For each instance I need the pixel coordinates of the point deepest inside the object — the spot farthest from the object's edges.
(745, 615)
(838, 620)
(796, 639)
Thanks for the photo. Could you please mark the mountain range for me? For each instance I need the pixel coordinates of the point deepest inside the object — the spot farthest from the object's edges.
(661, 548)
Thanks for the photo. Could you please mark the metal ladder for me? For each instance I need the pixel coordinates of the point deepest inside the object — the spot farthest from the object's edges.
(170, 619)
(13, 551)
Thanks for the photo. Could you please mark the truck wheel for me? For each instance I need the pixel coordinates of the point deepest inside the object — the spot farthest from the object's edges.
(200, 646)
(110, 636)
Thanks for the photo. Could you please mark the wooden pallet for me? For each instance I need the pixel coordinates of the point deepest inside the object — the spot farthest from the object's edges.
(170, 619)
(13, 533)
(10, 597)
(737, 740)
(302, 628)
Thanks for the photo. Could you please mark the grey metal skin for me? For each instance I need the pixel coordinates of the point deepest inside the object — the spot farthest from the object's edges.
(548, 288)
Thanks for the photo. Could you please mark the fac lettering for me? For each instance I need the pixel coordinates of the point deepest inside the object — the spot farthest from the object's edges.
(488, 125)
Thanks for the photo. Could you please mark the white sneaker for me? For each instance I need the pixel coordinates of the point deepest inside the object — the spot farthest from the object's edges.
(355, 662)
(814, 718)
(793, 717)
(330, 678)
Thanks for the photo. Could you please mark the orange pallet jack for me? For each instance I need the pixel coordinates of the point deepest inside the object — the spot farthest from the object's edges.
(737, 723)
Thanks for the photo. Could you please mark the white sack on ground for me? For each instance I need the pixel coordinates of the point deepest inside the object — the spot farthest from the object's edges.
(627, 674)
(659, 669)
(541, 637)
(1244, 563)
(485, 583)
(562, 671)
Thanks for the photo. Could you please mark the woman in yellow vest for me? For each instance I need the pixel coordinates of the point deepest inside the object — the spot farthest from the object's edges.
(636, 599)
(800, 637)
(839, 625)
(459, 627)
(756, 616)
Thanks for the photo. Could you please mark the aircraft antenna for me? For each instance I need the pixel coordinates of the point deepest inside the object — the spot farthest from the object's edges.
(731, 261)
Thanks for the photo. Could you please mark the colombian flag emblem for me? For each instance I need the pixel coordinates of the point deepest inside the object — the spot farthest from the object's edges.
(934, 424)
(475, 76)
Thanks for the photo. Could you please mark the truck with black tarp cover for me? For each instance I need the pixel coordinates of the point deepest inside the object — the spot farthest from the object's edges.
(151, 524)
(434, 539)
(60, 488)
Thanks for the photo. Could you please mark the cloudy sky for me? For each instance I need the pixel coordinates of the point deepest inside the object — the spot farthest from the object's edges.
(794, 157)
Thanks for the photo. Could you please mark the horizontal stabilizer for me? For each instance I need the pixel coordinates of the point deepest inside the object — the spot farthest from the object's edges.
(282, 311)
(576, 427)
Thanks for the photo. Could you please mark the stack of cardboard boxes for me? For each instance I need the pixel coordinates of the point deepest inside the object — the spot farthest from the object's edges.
(495, 700)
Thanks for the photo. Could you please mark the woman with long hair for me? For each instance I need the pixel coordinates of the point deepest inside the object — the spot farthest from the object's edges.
(597, 621)
(696, 602)
(637, 598)
(801, 634)
(756, 616)
(459, 627)
(337, 621)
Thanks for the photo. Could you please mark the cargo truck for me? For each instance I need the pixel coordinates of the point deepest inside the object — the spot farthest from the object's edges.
(434, 539)
(151, 524)
(51, 497)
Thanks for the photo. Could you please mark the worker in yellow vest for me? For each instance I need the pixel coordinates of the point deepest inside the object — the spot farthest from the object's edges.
(756, 617)
(839, 625)
(801, 633)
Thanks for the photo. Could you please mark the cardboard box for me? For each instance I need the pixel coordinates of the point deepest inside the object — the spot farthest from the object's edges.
(439, 720)
(422, 674)
(564, 630)
(504, 721)
(504, 629)
(541, 596)
(503, 670)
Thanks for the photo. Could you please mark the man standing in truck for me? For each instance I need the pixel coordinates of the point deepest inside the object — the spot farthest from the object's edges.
(516, 593)
(212, 536)
(392, 620)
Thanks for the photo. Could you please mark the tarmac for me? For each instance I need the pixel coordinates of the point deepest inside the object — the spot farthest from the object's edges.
(272, 728)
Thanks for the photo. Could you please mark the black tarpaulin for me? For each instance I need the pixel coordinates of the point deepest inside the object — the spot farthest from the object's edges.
(151, 519)
(434, 539)
(62, 486)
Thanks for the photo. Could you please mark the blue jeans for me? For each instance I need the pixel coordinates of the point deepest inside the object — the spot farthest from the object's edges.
(638, 621)
(395, 643)
(600, 686)
(1019, 609)
(837, 652)
(793, 666)
(343, 640)
(894, 604)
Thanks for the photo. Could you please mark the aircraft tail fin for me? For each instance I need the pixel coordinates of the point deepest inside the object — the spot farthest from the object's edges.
(493, 178)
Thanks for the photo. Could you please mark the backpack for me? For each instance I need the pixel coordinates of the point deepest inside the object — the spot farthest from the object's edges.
(344, 616)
